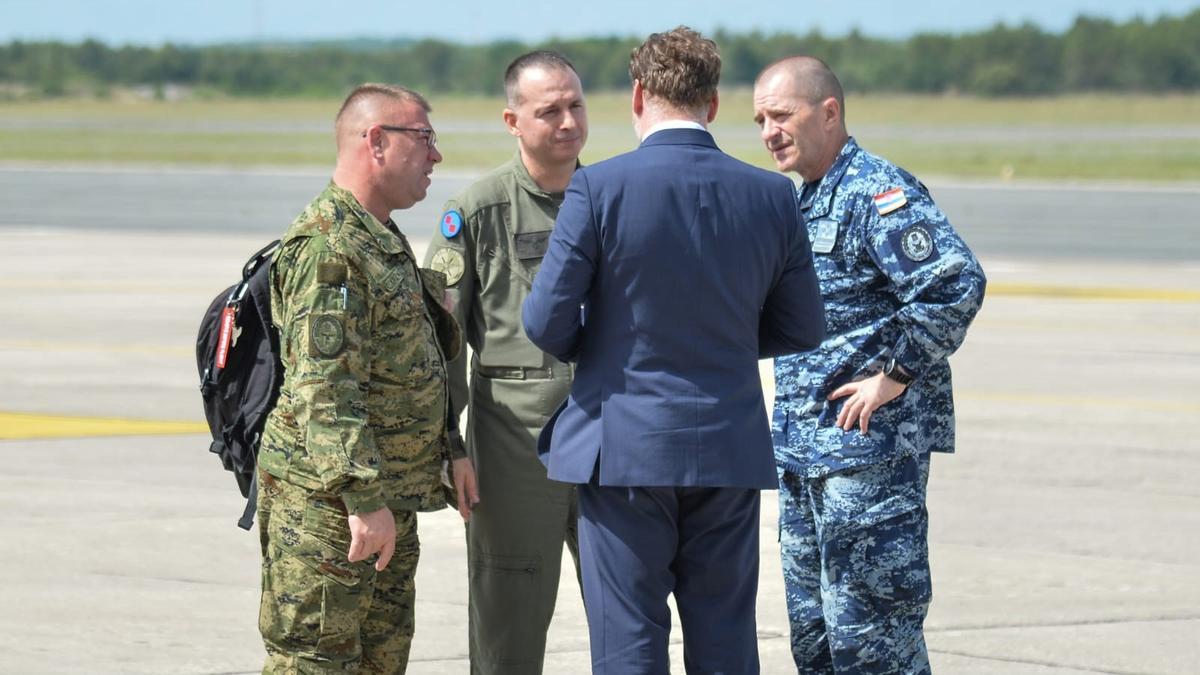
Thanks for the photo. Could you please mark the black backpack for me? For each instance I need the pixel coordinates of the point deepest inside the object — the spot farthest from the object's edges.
(237, 353)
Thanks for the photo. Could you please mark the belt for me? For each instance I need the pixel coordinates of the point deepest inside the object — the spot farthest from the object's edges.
(557, 371)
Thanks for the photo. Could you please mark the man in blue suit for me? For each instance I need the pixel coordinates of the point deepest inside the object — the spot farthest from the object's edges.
(671, 270)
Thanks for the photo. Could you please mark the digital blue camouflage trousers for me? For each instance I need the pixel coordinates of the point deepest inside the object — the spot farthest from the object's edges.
(856, 567)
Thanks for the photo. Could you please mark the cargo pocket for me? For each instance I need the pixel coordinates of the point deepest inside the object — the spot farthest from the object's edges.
(313, 600)
(325, 542)
(506, 597)
(877, 560)
(514, 569)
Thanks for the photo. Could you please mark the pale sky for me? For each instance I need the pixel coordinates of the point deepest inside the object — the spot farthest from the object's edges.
(153, 22)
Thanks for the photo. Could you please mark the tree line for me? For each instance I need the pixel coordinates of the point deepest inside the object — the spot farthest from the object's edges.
(1093, 55)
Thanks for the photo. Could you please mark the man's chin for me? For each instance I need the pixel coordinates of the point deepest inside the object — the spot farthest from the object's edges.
(556, 158)
(568, 148)
(785, 163)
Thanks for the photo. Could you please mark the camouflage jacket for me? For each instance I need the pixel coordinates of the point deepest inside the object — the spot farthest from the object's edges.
(362, 413)
(897, 281)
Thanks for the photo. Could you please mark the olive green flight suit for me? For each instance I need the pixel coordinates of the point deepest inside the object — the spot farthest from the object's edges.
(489, 250)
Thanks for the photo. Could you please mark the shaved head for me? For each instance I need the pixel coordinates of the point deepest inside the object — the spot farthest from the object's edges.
(811, 79)
(798, 106)
(367, 104)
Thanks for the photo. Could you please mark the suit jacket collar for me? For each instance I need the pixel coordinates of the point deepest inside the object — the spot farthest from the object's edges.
(680, 137)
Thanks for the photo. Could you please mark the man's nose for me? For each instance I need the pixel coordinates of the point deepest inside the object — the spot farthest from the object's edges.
(768, 131)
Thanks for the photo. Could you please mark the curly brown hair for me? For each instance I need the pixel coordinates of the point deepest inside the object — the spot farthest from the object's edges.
(681, 67)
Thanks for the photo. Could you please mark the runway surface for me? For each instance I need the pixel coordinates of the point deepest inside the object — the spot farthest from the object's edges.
(1059, 529)
(1027, 220)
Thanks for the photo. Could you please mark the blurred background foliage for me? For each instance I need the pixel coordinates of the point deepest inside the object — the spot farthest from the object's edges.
(1093, 56)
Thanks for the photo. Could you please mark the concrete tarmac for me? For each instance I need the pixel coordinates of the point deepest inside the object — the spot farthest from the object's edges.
(1063, 532)
(1110, 221)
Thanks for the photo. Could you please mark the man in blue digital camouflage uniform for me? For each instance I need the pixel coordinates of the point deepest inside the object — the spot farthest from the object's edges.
(856, 419)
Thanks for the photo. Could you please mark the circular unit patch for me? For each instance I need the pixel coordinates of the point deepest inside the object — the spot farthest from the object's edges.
(449, 262)
(916, 243)
(451, 224)
(327, 334)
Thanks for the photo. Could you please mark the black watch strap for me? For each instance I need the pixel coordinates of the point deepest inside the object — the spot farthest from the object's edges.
(893, 371)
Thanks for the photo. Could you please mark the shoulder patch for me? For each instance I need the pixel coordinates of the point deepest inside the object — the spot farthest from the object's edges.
(916, 243)
(889, 201)
(326, 335)
(451, 224)
(449, 262)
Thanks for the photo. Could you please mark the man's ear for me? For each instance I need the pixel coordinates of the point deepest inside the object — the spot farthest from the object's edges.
(832, 112)
(374, 141)
(712, 107)
(510, 121)
(639, 98)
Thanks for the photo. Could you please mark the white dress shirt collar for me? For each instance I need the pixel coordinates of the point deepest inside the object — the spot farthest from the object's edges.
(673, 124)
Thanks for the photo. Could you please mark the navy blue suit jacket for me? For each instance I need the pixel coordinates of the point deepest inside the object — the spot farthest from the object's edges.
(671, 270)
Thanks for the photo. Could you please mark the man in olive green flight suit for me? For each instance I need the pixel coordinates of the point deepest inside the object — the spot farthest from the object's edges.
(493, 236)
(356, 442)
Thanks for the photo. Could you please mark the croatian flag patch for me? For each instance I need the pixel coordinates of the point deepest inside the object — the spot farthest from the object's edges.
(889, 201)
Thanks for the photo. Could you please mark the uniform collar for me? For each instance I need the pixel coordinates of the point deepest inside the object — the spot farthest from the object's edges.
(527, 182)
(820, 202)
(389, 241)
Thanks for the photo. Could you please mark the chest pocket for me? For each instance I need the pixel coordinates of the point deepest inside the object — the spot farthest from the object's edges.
(528, 250)
(832, 239)
(405, 350)
(397, 292)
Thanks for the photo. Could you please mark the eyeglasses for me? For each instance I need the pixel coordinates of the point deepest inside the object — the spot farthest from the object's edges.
(428, 134)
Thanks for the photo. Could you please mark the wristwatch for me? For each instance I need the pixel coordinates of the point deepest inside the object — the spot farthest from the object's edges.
(893, 371)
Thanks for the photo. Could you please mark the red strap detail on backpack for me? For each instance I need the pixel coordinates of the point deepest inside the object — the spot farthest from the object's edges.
(226, 334)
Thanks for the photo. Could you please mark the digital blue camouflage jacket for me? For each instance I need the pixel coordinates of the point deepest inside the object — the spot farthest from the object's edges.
(897, 280)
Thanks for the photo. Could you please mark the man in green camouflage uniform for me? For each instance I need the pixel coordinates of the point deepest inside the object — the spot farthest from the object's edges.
(355, 444)
(493, 236)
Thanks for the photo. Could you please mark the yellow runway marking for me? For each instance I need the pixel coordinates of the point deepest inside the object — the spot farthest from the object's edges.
(25, 426)
(1083, 293)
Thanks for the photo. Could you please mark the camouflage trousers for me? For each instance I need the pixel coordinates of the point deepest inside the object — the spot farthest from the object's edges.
(856, 567)
(320, 613)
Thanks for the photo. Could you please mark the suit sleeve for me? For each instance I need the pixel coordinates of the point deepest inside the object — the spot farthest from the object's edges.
(552, 314)
(937, 281)
(460, 293)
(793, 315)
(329, 331)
